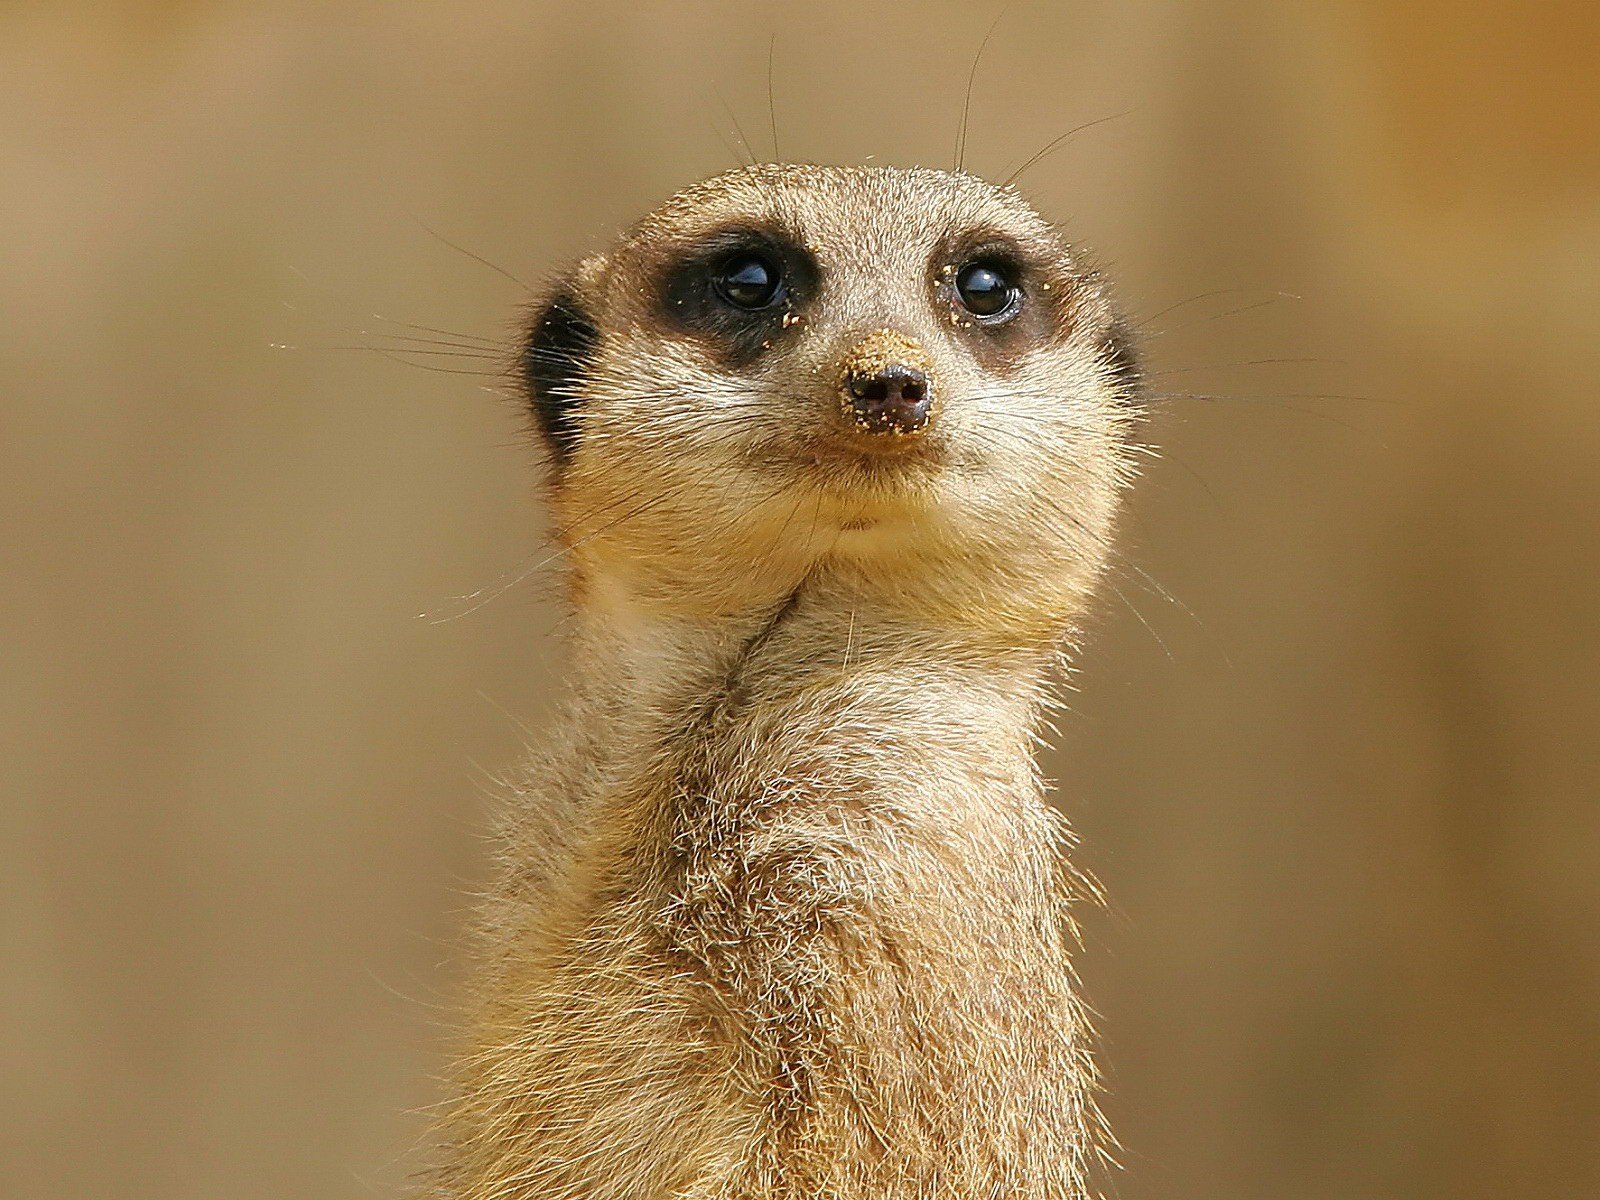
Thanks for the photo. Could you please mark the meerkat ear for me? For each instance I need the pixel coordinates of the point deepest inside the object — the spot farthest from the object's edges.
(558, 350)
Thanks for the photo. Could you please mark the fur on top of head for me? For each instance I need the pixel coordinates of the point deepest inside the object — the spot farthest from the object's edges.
(901, 379)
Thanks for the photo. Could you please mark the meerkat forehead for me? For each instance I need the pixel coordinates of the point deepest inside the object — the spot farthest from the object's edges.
(867, 209)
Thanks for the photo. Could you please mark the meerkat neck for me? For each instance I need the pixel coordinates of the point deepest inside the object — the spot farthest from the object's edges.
(645, 671)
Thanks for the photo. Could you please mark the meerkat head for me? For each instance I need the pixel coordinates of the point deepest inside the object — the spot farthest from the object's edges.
(899, 381)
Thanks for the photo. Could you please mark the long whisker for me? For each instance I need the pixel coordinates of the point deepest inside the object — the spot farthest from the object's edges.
(1148, 334)
(1149, 628)
(966, 102)
(433, 329)
(395, 356)
(1171, 308)
(772, 108)
(1271, 397)
(486, 347)
(495, 267)
(1156, 587)
(1051, 146)
(481, 355)
(738, 130)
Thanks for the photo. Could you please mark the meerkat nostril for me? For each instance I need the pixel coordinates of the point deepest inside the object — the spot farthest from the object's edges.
(886, 385)
(892, 399)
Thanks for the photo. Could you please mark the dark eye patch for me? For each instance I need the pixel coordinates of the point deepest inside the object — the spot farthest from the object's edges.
(1002, 298)
(739, 290)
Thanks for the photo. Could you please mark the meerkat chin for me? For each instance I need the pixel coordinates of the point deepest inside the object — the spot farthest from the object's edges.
(834, 456)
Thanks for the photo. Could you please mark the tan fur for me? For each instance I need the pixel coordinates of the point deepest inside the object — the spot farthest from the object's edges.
(783, 913)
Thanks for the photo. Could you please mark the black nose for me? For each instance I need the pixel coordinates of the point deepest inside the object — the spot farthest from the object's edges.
(894, 399)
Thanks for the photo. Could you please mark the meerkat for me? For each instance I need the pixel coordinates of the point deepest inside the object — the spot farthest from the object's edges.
(834, 457)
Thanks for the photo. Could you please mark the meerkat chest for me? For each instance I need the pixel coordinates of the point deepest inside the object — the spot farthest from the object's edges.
(903, 999)
(836, 866)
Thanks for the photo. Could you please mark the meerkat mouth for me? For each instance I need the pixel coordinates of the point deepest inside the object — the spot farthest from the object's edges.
(874, 460)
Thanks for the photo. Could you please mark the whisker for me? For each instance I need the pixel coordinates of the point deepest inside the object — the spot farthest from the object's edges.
(1149, 628)
(415, 339)
(1167, 372)
(432, 329)
(1275, 404)
(1122, 560)
(738, 130)
(772, 108)
(1163, 400)
(972, 75)
(1051, 146)
(394, 356)
(482, 355)
(1275, 298)
(730, 147)
(497, 269)
(1171, 308)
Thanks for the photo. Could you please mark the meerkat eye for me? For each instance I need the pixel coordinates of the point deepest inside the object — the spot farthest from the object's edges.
(985, 290)
(749, 280)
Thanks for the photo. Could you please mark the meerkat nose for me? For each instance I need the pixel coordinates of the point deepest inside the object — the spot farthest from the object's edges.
(886, 388)
(892, 400)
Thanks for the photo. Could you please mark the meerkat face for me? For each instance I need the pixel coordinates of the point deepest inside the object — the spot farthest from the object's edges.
(902, 380)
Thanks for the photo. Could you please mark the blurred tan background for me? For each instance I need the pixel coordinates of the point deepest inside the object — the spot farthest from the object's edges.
(1343, 788)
